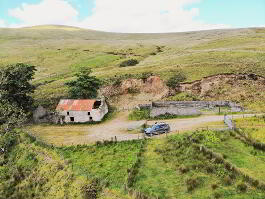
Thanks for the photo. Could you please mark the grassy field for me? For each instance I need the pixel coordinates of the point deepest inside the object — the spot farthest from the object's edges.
(115, 160)
(169, 167)
(254, 127)
(30, 170)
(59, 51)
(172, 168)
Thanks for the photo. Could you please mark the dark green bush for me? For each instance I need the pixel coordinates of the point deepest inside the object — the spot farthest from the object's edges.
(192, 183)
(228, 181)
(214, 186)
(174, 81)
(217, 195)
(139, 114)
(130, 62)
(90, 191)
(184, 169)
(242, 187)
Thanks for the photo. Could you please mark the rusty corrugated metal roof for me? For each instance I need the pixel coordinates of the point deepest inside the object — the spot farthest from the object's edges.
(75, 105)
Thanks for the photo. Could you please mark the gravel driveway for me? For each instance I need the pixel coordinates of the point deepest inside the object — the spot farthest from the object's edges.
(120, 126)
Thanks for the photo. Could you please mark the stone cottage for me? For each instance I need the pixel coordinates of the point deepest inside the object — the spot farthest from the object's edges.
(81, 110)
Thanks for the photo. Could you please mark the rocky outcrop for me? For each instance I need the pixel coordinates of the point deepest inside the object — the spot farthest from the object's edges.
(153, 84)
(206, 84)
(221, 87)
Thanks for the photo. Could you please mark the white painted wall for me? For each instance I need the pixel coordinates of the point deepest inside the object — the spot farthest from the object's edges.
(82, 116)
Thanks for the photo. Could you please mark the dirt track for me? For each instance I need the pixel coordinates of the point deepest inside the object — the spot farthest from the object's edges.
(122, 128)
(119, 127)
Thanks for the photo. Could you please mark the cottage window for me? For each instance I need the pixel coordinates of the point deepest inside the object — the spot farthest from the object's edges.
(72, 119)
(97, 104)
(67, 113)
(88, 113)
(91, 118)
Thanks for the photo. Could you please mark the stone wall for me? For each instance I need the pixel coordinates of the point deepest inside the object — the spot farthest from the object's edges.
(158, 111)
(42, 115)
(196, 104)
(184, 108)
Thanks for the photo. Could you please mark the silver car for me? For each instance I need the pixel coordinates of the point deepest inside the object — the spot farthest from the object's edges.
(156, 129)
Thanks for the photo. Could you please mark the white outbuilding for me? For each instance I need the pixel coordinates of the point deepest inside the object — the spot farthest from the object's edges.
(81, 110)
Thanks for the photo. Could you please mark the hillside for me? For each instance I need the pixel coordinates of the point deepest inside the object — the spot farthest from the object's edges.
(198, 159)
(201, 164)
(58, 51)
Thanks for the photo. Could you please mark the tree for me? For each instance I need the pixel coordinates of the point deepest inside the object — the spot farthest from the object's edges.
(85, 86)
(11, 116)
(15, 86)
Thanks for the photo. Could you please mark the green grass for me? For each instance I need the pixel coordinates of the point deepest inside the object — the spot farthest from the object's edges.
(254, 127)
(136, 114)
(107, 162)
(247, 158)
(206, 53)
(32, 171)
(162, 173)
(170, 167)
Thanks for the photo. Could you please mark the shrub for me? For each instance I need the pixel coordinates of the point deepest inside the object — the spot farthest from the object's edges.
(217, 195)
(133, 90)
(90, 191)
(227, 180)
(214, 186)
(192, 183)
(255, 183)
(174, 81)
(130, 62)
(144, 76)
(242, 187)
(184, 169)
(139, 114)
(210, 169)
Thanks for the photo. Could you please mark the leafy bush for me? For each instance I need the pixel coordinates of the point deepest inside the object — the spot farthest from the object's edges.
(142, 114)
(217, 195)
(184, 169)
(173, 81)
(130, 62)
(242, 187)
(228, 180)
(192, 183)
(214, 186)
(90, 191)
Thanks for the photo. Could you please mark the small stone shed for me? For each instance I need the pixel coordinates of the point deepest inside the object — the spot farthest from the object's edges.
(81, 110)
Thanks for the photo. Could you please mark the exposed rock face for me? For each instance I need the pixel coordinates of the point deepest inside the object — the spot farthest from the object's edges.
(206, 85)
(153, 85)
(222, 87)
(131, 92)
